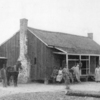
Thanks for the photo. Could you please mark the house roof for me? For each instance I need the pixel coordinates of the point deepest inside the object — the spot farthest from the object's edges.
(68, 42)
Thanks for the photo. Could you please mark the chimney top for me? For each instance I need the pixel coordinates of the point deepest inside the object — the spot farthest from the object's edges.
(90, 35)
(23, 24)
(23, 21)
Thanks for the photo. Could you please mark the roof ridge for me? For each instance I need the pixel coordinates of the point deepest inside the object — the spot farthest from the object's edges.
(58, 32)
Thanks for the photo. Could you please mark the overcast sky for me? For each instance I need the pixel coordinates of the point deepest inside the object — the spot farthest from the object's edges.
(70, 16)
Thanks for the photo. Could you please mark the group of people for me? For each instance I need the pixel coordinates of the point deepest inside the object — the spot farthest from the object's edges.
(9, 74)
(61, 74)
(67, 74)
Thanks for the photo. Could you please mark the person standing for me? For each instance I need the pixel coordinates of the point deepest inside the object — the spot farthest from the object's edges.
(66, 77)
(16, 67)
(97, 74)
(60, 75)
(54, 74)
(4, 76)
(76, 72)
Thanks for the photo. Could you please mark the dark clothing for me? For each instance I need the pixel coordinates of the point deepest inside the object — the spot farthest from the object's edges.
(12, 73)
(16, 72)
(9, 75)
(15, 77)
(54, 75)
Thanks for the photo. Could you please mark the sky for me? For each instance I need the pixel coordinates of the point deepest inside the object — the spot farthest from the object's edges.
(77, 17)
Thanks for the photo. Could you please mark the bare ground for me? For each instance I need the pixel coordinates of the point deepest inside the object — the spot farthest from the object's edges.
(45, 96)
(45, 92)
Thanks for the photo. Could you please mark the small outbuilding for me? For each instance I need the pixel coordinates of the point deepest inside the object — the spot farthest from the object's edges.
(40, 51)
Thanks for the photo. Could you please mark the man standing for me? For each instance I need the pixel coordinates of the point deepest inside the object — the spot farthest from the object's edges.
(3, 76)
(16, 72)
(15, 76)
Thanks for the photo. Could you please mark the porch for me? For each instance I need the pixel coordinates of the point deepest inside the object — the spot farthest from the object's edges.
(89, 62)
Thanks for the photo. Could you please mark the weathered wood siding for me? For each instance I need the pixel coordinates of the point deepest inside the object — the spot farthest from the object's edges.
(35, 52)
(10, 49)
(45, 59)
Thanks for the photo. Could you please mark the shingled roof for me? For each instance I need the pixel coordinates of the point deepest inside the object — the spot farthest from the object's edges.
(68, 42)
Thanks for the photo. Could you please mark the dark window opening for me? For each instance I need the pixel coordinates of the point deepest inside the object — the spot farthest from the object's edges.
(34, 60)
(73, 56)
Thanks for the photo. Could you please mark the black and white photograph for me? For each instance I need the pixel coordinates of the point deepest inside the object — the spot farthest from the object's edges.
(49, 49)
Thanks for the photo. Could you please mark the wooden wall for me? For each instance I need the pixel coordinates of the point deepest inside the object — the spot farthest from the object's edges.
(45, 59)
(10, 49)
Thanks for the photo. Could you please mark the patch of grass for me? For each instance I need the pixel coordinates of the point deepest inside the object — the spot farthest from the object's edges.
(83, 93)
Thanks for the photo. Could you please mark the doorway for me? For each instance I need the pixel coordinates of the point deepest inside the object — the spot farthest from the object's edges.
(85, 67)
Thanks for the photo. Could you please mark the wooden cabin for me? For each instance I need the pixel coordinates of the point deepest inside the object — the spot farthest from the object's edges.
(40, 51)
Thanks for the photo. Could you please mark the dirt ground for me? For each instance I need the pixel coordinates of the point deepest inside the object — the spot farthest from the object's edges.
(45, 96)
(32, 87)
(37, 91)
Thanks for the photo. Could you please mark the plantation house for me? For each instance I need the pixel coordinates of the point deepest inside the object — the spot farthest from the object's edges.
(39, 51)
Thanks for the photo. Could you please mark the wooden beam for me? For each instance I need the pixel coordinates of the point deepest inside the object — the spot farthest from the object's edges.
(73, 59)
(67, 60)
(81, 66)
(59, 53)
(84, 54)
(80, 57)
(99, 60)
(61, 49)
(89, 64)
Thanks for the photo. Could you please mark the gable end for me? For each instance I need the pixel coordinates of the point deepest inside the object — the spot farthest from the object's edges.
(38, 37)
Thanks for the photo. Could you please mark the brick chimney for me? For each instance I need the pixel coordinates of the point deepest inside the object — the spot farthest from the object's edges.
(90, 35)
(24, 75)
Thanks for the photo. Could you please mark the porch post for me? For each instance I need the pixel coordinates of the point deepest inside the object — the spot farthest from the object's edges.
(99, 59)
(67, 60)
(80, 57)
(89, 64)
(79, 62)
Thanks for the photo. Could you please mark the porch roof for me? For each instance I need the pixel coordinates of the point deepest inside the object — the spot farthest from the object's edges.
(77, 51)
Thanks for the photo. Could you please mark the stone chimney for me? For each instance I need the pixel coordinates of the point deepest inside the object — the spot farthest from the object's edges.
(90, 35)
(24, 75)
